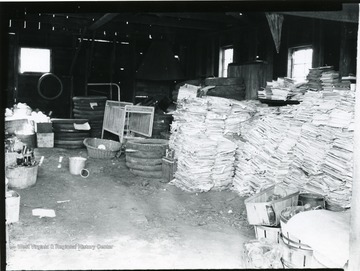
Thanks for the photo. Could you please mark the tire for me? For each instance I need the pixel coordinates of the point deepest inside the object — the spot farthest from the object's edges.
(74, 134)
(99, 107)
(87, 99)
(68, 131)
(77, 121)
(147, 174)
(68, 142)
(145, 154)
(144, 168)
(69, 138)
(144, 161)
(68, 146)
(76, 115)
(148, 145)
(64, 126)
(88, 112)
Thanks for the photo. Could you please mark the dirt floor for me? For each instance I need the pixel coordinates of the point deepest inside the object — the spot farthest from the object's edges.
(115, 220)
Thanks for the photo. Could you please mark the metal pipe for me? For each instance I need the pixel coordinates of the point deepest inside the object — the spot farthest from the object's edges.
(107, 84)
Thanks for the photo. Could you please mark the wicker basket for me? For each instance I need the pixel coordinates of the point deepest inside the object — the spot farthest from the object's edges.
(110, 151)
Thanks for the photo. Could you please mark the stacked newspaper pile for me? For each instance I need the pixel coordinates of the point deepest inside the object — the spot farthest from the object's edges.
(205, 157)
(264, 156)
(223, 169)
(308, 146)
(314, 77)
(195, 162)
(282, 89)
(328, 79)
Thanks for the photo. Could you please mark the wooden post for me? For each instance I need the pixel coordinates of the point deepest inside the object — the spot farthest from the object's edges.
(354, 249)
(16, 65)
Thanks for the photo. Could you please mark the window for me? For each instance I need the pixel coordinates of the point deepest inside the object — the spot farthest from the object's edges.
(300, 61)
(34, 60)
(226, 57)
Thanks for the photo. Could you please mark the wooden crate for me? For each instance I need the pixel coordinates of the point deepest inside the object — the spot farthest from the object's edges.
(258, 205)
(168, 168)
(267, 232)
(45, 140)
(44, 127)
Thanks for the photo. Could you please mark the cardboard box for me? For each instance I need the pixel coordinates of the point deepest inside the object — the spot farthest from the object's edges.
(45, 140)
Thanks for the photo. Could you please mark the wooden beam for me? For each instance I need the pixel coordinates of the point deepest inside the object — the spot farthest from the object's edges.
(349, 14)
(151, 19)
(354, 249)
(102, 21)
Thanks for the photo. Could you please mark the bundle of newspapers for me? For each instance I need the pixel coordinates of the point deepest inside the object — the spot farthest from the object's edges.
(205, 157)
(308, 146)
(282, 89)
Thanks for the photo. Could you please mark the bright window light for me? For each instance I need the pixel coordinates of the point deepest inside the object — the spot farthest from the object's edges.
(301, 62)
(34, 60)
(226, 57)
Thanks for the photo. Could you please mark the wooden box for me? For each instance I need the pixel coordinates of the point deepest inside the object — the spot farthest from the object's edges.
(168, 168)
(45, 140)
(44, 127)
(264, 208)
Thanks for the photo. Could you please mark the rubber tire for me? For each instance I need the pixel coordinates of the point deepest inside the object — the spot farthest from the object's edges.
(144, 161)
(65, 126)
(69, 131)
(68, 146)
(148, 145)
(100, 106)
(89, 98)
(147, 174)
(72, 134)
(77, 121)
(68, 142)
(89, 117)
(144, 168)
(69, 138)
(88, 112)
(146, 154)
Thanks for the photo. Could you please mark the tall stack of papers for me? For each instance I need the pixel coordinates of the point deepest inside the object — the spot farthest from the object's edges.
(223, 169)
(308, 146)
(205, 157)
(314, 77)
(328, 79)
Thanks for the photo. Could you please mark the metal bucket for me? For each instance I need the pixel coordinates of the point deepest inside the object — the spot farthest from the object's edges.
(76, 165)
(22, 176)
